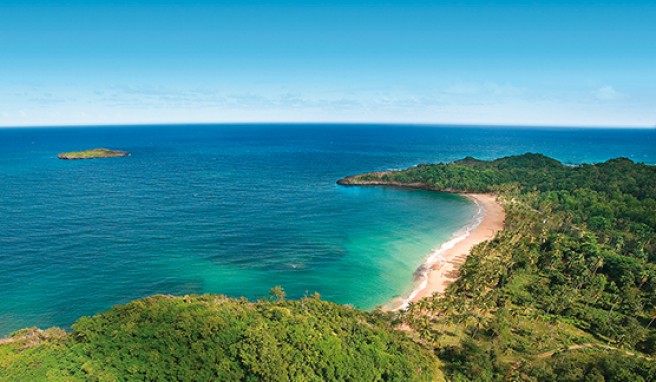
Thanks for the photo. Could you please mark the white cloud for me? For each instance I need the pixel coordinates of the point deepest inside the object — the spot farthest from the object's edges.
(483, 89)
(462, 103)
(502, 89)
(463, 89)
(607, 93)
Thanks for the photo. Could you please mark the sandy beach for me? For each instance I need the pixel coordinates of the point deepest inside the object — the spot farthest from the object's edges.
(445, 270)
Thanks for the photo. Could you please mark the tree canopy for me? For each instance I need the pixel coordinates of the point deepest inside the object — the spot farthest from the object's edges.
(576, 264)
(212, 337)
(567, 291)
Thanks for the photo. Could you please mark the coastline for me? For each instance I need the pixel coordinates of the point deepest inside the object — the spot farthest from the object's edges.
(441, 266)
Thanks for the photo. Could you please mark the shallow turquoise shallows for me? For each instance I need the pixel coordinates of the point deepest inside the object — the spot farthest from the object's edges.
(237, 209)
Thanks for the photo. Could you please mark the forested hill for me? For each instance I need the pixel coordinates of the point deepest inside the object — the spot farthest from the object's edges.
(567, 292)
(616, 199)
(574, 269)
(215, 338)
(529, 171)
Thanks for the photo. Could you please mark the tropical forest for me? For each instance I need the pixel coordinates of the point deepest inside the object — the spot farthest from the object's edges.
(566, 292)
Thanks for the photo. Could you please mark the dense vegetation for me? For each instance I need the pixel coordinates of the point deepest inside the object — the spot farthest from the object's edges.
(576, 264)
(566, 292)
(215, 338)
(93, 153)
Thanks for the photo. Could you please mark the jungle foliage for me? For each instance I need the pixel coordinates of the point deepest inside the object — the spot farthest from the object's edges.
(576, 264)
(566, 292)
(215, 338)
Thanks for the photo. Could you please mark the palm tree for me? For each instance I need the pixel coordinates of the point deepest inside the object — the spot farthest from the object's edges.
(424, 330)
(617, 299)
(644, 277)
(277, 293)
(423, 305)
(479, 322)
(599, 262)
(653, 317)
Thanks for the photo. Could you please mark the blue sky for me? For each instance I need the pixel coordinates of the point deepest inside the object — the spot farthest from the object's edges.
(571, 63)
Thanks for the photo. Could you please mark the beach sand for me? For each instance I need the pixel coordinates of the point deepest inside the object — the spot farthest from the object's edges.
(445, 271)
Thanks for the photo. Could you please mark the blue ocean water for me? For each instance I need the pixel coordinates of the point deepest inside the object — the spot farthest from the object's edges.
(238, 209)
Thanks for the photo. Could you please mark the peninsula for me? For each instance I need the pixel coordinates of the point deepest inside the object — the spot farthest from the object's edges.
(92, 154)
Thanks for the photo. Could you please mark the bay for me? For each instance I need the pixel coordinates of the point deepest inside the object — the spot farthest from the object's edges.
(238, 209)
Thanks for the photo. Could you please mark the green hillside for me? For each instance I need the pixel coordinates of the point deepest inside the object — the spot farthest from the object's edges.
(566, 292)
(573, 271)
(215, 338)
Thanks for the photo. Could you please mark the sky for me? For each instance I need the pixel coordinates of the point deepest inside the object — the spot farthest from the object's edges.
(564, 63)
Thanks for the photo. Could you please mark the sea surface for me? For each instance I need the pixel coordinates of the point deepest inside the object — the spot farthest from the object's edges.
(238, 209)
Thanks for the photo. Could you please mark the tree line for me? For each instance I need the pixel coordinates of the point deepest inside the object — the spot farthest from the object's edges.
(576, 263)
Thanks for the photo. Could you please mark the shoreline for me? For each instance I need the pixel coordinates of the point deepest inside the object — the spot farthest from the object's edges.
(441, 266)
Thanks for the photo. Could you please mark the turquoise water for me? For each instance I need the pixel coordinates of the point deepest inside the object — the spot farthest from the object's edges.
(237, 209)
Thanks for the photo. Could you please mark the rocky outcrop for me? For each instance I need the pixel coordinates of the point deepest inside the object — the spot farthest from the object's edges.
(377, 179)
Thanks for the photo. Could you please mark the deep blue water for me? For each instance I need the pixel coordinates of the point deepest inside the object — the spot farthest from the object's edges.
(237, 209)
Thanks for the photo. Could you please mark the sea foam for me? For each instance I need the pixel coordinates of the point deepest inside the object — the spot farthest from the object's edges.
(436, 256)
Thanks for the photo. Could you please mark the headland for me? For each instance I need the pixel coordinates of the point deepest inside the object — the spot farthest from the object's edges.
(441, 266)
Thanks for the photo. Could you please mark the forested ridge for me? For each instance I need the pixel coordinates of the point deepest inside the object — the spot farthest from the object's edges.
(576, 264)
(566, 292)
(216, 338)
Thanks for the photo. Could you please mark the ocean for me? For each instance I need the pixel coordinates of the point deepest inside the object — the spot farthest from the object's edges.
(238, 209)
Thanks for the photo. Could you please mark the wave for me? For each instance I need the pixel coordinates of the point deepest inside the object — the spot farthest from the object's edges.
(437, 255)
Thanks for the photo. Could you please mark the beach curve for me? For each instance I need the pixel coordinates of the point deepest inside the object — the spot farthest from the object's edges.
(442, 265)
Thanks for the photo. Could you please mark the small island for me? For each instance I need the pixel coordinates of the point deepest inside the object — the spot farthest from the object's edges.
(92, 154)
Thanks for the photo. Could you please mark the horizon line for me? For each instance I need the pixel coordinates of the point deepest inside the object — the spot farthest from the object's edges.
(344, 123)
